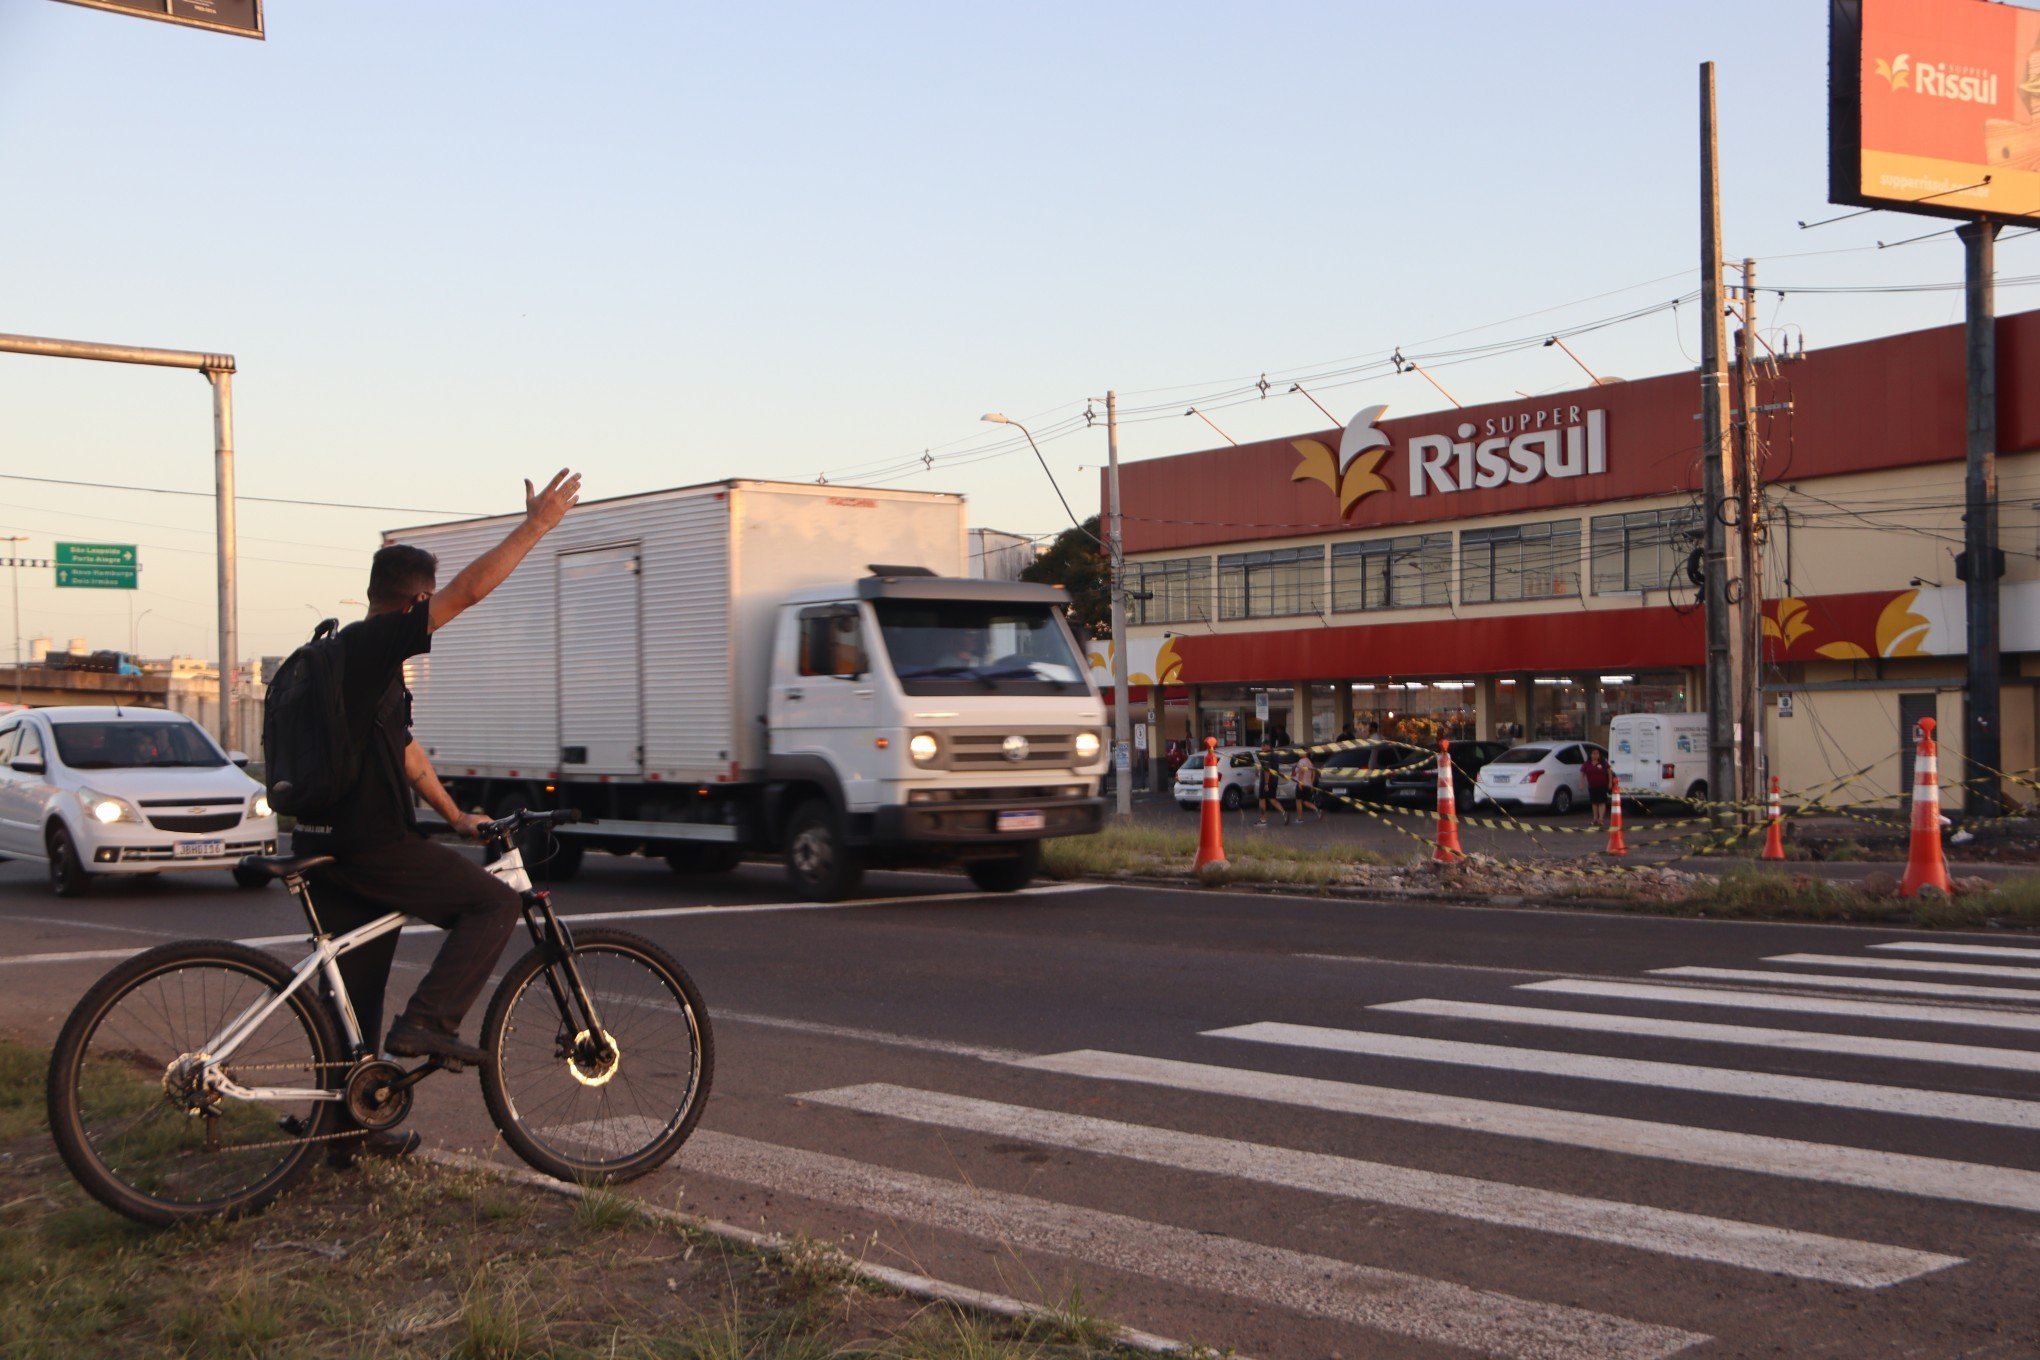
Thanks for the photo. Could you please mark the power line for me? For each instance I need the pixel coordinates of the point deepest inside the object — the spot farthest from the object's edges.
(267, 500)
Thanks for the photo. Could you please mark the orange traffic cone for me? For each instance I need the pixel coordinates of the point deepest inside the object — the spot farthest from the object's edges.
(1448, 810)
(1924, 865)
(1210, 843)
(1616, 845)
(1774, 840)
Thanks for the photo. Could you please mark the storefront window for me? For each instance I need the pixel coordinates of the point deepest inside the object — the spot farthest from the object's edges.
(1644, 550)
(1416, 711)
(1392, 573)
(1520, 562)
(1267, 585)
(1179, 591)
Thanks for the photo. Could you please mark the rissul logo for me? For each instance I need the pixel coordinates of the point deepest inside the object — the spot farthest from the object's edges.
(1355, 473)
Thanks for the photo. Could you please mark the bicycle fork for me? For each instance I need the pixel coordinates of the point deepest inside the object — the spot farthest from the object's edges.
(591, 1044)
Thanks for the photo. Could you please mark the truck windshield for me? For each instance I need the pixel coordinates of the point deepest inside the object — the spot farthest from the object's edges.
(973, 646)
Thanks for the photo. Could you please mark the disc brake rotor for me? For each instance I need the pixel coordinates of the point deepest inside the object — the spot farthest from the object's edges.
(592, 1066)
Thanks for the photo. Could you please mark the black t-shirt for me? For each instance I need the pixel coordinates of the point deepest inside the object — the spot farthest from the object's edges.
(377, 811)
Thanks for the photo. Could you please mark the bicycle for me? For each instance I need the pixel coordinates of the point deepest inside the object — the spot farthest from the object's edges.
(200, 1079)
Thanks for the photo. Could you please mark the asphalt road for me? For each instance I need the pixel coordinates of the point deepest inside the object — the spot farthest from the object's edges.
(1303, 1128)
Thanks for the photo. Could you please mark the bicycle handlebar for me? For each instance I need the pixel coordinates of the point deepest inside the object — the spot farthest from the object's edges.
(524, 817)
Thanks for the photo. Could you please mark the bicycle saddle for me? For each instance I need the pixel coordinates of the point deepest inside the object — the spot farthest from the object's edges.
(283, 866)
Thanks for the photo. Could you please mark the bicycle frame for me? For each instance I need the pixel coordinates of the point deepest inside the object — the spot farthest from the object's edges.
(547, 931)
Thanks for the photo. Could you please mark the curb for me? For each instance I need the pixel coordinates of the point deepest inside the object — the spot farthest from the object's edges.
(916, 1286)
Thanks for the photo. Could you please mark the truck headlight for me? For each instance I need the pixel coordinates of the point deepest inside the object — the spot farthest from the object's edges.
(924, 748)
(107, 809)
(258, 805)
(1087, 745)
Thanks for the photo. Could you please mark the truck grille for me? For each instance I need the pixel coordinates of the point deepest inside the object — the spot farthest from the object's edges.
(212, 821)
(986, 750)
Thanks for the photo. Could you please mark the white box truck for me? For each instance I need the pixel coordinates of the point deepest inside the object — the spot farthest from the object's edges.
(1659, 755)
(754, 666)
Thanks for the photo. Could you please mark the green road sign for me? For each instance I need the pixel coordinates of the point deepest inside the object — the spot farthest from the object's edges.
(96, 555)
(96, 577)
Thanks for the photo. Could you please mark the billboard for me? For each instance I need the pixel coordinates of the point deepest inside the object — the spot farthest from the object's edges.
(240, 17)
(1934, 107)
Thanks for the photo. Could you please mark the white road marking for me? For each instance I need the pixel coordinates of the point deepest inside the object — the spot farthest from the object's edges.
(1809, 1041)
(873, 1036)
(1772, 1001)
(1847, 1095)
(1481, 1320)
(646, 914)
(1828, 1163)
(1859, 984)
(1981, 950)
(1693, 1237)
(2027, 972)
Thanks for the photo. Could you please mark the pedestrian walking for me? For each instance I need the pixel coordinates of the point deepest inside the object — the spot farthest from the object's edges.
(1305, 775)
(1597, 775)
(1268, 782)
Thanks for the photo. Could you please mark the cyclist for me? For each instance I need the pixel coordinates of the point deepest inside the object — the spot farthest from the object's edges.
(383, 862)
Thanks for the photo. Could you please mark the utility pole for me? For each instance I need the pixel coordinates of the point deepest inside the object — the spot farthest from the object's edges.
(1983, 796)
(1750, 695)
(1115, 535)
(1718, 461)
(15, 565)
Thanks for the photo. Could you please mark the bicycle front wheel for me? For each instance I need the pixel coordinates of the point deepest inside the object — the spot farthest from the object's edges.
(595, 1110)
(132, 1113)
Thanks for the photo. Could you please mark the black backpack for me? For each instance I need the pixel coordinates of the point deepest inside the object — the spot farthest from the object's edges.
(308, 754)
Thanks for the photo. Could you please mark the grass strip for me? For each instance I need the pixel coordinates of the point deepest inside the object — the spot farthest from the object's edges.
(422, 1259)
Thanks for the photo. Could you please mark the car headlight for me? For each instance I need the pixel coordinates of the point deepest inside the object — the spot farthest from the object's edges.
(258, 805)
(1087, 745)
(924, 748)
(107, 809)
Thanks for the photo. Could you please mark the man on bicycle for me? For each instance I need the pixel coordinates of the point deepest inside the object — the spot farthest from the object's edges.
(383, 862)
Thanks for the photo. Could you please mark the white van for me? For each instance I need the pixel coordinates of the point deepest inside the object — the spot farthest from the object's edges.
(1659, 755)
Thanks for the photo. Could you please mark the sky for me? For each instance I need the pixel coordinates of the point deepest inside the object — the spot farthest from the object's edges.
(456, 245)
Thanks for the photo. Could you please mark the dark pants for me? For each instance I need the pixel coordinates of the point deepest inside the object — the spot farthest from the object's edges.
(438, 885)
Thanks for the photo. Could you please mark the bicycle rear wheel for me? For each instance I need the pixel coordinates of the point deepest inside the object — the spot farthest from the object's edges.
(133, 1120)
(582, 1111)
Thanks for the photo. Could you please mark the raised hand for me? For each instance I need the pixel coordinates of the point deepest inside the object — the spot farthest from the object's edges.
(548, 507)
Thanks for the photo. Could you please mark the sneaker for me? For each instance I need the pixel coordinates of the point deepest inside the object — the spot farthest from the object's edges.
(409, 1040)
(1262, 822)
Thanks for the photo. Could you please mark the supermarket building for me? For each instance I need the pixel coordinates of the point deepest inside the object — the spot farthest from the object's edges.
(1521, 568)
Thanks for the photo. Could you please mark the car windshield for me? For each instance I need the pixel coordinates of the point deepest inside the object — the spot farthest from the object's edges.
(1522, 755)
(974, 646)
(134, 745)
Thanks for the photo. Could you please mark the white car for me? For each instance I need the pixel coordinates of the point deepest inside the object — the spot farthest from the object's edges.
(125, 790)
(1542, 774)
(1237, 776)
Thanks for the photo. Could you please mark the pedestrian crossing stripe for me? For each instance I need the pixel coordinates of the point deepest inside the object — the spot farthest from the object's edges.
(1980, 950)
(1909, 986)
(1688, 994)
(1696, 1237)
(2003, 970)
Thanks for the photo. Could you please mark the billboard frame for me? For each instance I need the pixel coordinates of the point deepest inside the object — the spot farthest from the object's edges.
(164, 12)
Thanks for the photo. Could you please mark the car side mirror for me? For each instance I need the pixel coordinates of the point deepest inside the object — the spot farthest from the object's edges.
(239, 758)
(29, 766)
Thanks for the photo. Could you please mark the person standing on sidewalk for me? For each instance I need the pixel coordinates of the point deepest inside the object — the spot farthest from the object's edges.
(1598, 776)
(1268, 782)
(1305, 775)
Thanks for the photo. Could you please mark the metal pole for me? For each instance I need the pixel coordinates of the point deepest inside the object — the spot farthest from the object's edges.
(1122, 726)
(1721, 637)
(222, 380)
(14, 566)
(1749, 690)
(1983, 796)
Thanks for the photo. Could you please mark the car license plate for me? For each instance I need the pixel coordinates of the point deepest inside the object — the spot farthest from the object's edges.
(1411, 794)
(1498, 779)
(198, 849)
(1023, 821)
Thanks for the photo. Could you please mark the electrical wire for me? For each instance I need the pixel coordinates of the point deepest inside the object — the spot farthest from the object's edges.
(266, 500)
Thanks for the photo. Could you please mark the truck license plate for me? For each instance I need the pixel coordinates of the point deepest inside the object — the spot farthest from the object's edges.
(198, 849)
(1023, 821)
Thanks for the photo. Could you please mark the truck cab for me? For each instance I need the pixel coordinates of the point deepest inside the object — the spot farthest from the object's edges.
(911, 715)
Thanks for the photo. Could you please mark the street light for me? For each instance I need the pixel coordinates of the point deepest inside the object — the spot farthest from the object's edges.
(135, 634)
(1121, 720)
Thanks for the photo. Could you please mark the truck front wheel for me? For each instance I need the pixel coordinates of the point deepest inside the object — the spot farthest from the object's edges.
(822, 868)
(1008, 874)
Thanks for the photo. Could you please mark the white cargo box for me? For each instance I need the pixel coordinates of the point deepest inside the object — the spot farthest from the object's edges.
(634, 642)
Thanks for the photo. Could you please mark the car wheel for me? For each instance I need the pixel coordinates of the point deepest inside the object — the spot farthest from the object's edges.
(1231, 799)
(1698, 793)
(1561, 802)
(250, 878)
(67, 872)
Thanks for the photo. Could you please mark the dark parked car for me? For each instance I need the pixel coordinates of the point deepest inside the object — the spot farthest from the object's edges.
(1418, 785)
(1362, 773)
